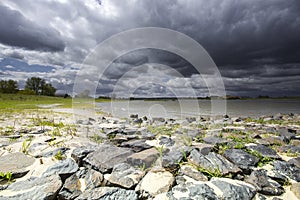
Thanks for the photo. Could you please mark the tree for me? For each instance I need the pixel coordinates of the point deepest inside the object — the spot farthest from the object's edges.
(39, 86)
(9, 86)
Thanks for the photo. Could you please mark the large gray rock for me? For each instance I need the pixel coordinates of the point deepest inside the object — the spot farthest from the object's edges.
(264, 184)
(234, 189)
(191, 191)
(136, 145)
(187, 170)
(287, 169)
(79, 153)
(263, 150)
(106, 157)
(125, 175)
(217, 188)
(144, 158)
(243, 160)
(33, 188)
(108, 193)
(172, 159)
(155, 182)
(82, 180)
(64, 168)
(215, 140)
(213, 162)
(16, 163)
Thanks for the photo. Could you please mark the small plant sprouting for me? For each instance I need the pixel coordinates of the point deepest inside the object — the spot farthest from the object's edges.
(160, 150)
(96, 138)
(5, 176)
(210, 172)
(59, 155)
(25, 146)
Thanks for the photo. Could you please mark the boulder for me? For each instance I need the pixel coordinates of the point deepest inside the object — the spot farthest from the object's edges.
(82, 180)
(79, 153)
(105, 157)
(172, 159)
(264, 184)
(108, 193)
(263, 150)
(33, 188)
(213, 162)
(215, 140)
(16, 163)
(192, 191)
(136, 145)
(63, 168)
(242, 159)
(287, 169)
(191, 172)
(155, 182)
(125, 176)
(144, 158)
(234, 189)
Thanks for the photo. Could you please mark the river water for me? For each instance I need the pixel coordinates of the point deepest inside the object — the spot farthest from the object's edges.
(188, 107)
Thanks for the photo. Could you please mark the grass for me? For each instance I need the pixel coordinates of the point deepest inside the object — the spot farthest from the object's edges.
(25, 146)
(59, 155)
(19, 101)
(5, 176)
(210, 172)
(164, 129)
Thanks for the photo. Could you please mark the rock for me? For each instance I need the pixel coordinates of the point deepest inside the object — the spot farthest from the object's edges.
(215, 140)
(191, 119)
(33, 188)
(166, 141)
(287, 169)
(217, 188)
(203, 148)
(82, 180)
(144, 158)
(125, 176)
(158, 119)
(234, 189)
(63, 168)
(136, 145)
(79, 153)
(105, 157)
(263, 150)
(192, 191)
(295, 161)
(289, 149)
(134, 116)
(295, 188)
(191, 172)
(213, 162)
(16, 163)
(242, 159)
(51, 153)
(172, 159)
(155, 182)
(264, 184)
(108, 193)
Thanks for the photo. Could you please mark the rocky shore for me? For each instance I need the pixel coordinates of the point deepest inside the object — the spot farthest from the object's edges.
(49, 155)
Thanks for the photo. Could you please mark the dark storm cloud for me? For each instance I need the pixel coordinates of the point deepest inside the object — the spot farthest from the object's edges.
(16, 30)
(255, 44)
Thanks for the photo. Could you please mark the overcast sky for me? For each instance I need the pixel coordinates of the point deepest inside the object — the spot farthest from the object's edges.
(254, 43)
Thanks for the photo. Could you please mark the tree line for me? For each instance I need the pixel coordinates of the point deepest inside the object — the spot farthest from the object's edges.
(34, 85)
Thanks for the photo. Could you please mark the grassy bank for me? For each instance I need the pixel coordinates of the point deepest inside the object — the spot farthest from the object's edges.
(19, 101)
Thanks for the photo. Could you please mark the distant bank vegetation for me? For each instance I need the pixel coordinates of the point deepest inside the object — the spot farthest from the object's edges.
(33, 86)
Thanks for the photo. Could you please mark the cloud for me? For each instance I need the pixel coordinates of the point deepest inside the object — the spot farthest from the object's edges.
(17, 30)
(255, 44)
